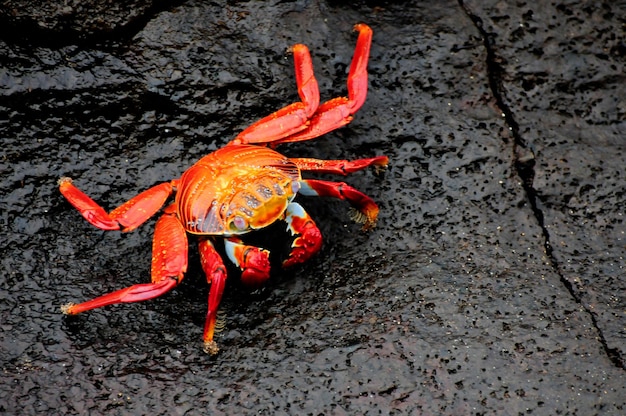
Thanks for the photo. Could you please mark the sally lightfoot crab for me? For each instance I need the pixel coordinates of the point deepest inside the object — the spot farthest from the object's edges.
(244, 186)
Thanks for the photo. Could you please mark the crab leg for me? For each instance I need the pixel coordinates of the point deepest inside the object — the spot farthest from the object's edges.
(215, 272)
(341, 167)
(305, 120)
(255, 266)
(367, 210)
(169, 263)
(253, 261)
(294, 117)
(309, 238)
(127, 216)
(338, 112)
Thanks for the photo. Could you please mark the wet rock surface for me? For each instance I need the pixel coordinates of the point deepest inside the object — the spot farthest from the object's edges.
(493, 283)
(73, 21)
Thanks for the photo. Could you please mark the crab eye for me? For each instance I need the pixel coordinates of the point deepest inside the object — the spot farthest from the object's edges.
(238, 223)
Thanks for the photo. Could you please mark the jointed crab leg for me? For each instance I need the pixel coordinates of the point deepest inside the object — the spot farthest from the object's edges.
(169, 263)
(308, 239)
(367, 210)
(338, 112)
(294, 117)
(364, 205)
(127, 216)
(305, 120)
(341, 167)
(215, 272)
(255, 266)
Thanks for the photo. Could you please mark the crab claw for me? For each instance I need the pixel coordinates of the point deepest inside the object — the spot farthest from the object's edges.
(308, 239)
(253, 261)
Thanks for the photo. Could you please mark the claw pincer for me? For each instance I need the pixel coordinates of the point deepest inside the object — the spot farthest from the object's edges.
(242, 187)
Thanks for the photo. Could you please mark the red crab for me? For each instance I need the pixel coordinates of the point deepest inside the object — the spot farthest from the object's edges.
(242, 187)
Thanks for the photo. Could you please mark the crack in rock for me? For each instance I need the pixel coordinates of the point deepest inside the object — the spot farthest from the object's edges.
(524, 165)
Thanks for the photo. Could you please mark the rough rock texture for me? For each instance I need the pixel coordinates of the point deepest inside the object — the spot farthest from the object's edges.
(493, 284)
(74, 21)
(563, 83)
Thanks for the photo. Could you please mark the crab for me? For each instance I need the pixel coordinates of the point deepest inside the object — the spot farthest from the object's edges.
(244, 186)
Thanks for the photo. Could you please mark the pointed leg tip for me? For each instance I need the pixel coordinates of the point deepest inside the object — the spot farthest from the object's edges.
(380, 164)
(299, 48)
(210, 347)
(368, 220)
(369, 225)
(67, 308)
(362, 27)
(63, 180)
(379, 169)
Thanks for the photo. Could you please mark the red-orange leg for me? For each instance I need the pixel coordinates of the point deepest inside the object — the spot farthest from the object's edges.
(341, 167)
(308, 239)
(305, 120)
(127, 216)
(253, 261)
(169, 263)
(294, 117)
(215, 272)
(338, 112)
(366, 208)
